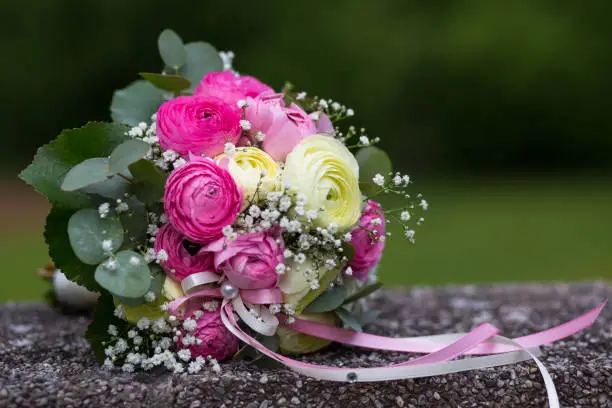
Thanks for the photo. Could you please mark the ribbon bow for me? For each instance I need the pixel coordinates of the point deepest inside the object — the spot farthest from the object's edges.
(440, 350)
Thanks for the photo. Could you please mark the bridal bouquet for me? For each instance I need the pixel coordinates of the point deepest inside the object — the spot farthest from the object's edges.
(219, 218)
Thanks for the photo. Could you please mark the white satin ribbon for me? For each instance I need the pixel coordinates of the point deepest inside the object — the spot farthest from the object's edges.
(397, 372)
(194, 281)
(266, 323)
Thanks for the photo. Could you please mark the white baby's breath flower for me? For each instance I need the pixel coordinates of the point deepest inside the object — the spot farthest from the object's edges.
(112, 330)
(134, 260)
(424, 204)
(379, 179)
(184, 354)
(350, 112)
(280, 268)
(300, 96)
(245, 124)
(242, 104)
(348, 271)
(260, 137)
(107, 246)
(103, 210)
(149, 297)
(229, 149)
(405, 216)
(364, 140)
(179, 162)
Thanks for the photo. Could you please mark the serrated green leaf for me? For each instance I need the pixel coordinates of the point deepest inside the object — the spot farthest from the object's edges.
(349, 319)
(348, 250)
(202, 58)
(135, 103)
(170, 83)
(86, 173)
(97, 332)
(53, 161)
(372, 161)
(87, 231)
(60, 250)
(365, 291)
(128, 277)
(329, 300)
(127, 153)
(171, 49)
(150, 181)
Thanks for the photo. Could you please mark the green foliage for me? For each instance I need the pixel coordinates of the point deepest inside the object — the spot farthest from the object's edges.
(363, 292)
(324, 283)
(135, 103)
(157, 283)
(113, 187)
(202, 58)
(53, 161)
(170, 83)
(134, 223)
(127, 153)
(150, 181)
(97, 332)
(87, 231)
(171, 49)
(86, 173)
(329, 300)
(129, 277)
(348, 250)
(349, 319)
(372, 161)
(60, 250)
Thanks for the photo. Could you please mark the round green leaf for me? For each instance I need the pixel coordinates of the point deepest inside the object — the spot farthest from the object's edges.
(202, 58)
(171, 49)
(112, 187)
(86, 173)
(87, 231)
(170, 83)
(136, 103)
(126, 275)
(157, 282)
(127, 153)
(329, 300)
(150, 181)
(372, 161)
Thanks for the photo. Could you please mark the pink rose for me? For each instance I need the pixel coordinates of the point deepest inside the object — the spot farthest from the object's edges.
(249, 261)
(217, 341)
(198, 124)
(230, 87)
(368, 240)
(283, 127)
(200, 199)
(184, 257)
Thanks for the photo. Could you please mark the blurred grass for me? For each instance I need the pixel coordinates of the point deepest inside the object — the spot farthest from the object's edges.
(482, 231)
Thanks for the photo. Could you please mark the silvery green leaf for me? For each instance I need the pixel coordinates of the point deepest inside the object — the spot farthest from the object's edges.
(87, 231)
(136, 103)
(112, 187)
(127, 153)
(349, 319)
(171, 49)
(157, 282)
(126, 275)
(202, 58)
(372, 161)
(150, 181)
(170, 83)
(329, 300)
(363, 292)
(86, 173)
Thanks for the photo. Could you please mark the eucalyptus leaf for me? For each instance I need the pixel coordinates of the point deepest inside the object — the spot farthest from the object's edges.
(349, 319)
(270, 342)
(329, 300)
(88, 172)
(368, 316)
(202, 58)
(157, 282)
(171, 49)
(150, 181)
(97, 332)
(112, 187)
(127, 153)
(372, 161)
(87, 231)
(127, 275)
(363, 292)
(134, 223)
(70, 148)
(136, 103)
(170, 83)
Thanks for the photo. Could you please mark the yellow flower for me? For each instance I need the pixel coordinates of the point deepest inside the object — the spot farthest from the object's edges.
(295, 283)
(323, 170)
(252, 167)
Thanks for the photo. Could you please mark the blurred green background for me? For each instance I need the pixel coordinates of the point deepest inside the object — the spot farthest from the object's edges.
(499, 110)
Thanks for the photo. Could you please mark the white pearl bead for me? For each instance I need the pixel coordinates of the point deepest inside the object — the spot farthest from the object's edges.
(229, 291)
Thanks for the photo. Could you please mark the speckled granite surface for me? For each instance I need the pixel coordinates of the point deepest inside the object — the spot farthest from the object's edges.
(45, 361)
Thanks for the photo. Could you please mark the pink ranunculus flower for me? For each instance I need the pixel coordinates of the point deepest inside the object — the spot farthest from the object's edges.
(324, 125)
(217, 342)
(284, 127)
(184, 257)
(198, 125)
(249, 261)
(368, 240)
(230, 87)
(200, 199)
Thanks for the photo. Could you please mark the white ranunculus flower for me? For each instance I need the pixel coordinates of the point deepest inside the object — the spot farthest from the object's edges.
(325, 172)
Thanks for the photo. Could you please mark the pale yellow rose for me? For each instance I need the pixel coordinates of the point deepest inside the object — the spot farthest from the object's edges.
(295, 283)
(292, 342)
(253, 170)
(326, 173)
